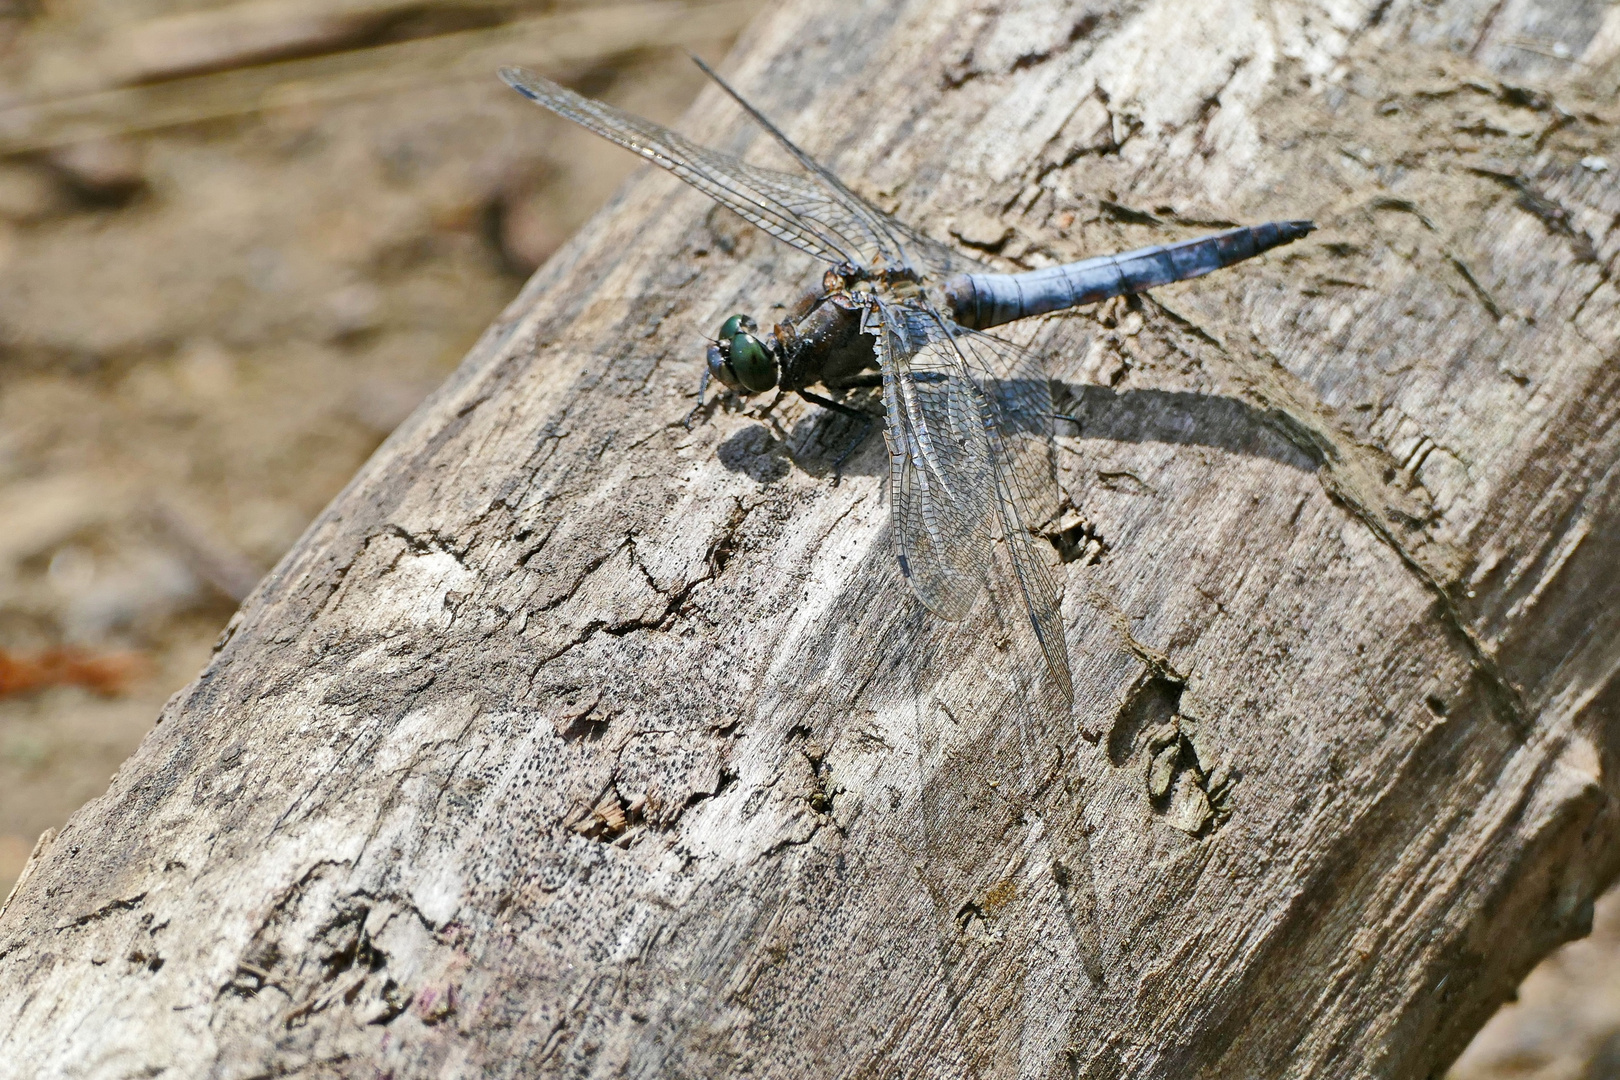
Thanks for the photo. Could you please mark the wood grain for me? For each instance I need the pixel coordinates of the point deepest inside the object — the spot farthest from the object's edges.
(572, 742)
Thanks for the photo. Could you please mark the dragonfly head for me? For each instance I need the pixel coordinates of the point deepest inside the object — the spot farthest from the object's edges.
(740, 359)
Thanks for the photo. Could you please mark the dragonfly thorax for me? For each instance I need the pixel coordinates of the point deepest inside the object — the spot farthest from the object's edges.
(823, 341)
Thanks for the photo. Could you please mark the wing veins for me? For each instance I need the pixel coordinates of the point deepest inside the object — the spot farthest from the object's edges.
(726, 179)
(875, 219)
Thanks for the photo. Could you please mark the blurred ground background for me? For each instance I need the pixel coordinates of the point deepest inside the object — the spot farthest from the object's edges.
(206, 328)
(239, 241)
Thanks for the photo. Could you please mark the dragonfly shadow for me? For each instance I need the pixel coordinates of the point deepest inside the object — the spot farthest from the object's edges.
(815, 446)
(824, 441)
(756, 452)
(1181, 417)
(1177, 417)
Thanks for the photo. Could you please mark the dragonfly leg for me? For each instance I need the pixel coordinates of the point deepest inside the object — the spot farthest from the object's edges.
(770, 406)
(850, 382)
(835, 406)
(839, 407)
(1075, 420)
(703, 387)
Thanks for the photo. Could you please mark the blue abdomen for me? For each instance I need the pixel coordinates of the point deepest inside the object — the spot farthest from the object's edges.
(980, 301)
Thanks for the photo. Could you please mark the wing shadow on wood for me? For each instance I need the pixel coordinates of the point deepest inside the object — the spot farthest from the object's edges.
(1176, 417)
(1182, 418)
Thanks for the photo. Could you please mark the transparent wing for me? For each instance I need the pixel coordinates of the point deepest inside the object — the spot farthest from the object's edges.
(1015, 380)
(969, 420)
(815, 216)
(931, 259)
(942, 472)
(1020, 394)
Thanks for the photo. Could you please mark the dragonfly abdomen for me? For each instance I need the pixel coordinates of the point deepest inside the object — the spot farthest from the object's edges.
(980, 301)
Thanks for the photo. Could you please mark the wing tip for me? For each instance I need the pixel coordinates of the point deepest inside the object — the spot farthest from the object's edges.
(1057, 659)
(520, 79)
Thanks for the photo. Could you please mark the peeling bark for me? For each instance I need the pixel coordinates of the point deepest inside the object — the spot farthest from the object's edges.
(572, 742)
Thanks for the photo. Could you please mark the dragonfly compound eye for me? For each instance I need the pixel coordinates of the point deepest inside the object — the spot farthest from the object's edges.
(720, 369)
(735, 325)
(751, 363)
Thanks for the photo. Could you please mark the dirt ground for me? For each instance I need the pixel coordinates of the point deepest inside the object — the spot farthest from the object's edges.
(206, 328)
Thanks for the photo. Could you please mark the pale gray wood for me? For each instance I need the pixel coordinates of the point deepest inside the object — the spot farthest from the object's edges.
(572, 743)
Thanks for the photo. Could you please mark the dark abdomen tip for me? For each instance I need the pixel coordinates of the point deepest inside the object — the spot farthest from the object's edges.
(1277, 233)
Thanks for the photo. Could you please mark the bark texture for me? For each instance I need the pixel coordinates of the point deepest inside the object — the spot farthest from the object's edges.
(570, 742)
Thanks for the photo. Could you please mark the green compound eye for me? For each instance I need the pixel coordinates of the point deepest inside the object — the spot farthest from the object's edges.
(755, 368)
(735, 325)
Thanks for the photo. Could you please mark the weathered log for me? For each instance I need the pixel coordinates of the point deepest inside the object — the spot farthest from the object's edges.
(571, 742)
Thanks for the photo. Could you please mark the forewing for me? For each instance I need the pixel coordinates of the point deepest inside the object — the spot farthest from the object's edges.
(970, 419)
(802, 211)
(941, 470)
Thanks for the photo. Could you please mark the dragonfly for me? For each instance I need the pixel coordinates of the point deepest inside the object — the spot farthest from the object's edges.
(968, 416)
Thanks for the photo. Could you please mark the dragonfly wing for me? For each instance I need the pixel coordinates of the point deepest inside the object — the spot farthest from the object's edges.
(934, 260)
(971, 455)
(1015, 380)
(1035, 584)
(802, 211)
(905, 246)
(814, 213)
(1016, 384)
(942, 475)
